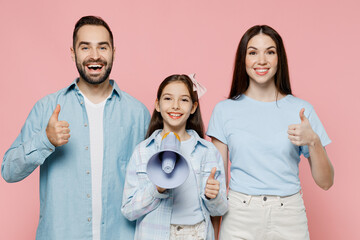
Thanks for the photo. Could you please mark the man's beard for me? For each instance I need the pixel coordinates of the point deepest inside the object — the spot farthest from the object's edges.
(81, 69)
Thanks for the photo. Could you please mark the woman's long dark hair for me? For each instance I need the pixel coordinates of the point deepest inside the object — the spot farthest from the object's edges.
(194, 121)
(240, 81)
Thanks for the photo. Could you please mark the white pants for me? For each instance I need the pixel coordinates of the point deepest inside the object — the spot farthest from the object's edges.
(264, 218)
(188, 232)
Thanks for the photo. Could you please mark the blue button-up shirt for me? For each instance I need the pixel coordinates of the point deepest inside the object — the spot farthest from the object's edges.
(151, 209)
(65, 172)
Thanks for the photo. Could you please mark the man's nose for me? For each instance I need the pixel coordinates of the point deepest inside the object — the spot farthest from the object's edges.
(95, 54)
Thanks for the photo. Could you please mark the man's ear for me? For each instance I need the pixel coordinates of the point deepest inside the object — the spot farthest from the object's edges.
(194, 107)
(114, 53)
(72, 53)
(157, 106)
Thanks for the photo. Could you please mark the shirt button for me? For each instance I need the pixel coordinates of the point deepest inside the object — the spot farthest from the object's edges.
(81, 102)
(88, 195)
(89, 219)
(87, 172)
(86, 148)
(85, 124)
(265, 198)
(50, 150)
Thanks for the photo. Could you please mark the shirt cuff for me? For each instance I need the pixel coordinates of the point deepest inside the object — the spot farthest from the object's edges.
(155, 193)
(43, 146)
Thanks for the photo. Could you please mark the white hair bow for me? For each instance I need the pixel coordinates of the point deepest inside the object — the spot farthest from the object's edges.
(201, 90)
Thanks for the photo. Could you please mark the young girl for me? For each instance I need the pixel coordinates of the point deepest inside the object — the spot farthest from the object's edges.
(183, 212)
(265, 129)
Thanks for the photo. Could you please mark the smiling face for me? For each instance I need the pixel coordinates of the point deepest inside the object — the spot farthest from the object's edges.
(93, 54)
(261, 60)
(175, 106)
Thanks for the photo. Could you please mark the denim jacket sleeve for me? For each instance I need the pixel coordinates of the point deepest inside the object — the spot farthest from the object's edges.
(30, 149)
(219, 205)
(140, 194)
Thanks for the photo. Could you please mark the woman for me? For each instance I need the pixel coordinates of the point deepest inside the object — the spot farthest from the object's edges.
(265, 129)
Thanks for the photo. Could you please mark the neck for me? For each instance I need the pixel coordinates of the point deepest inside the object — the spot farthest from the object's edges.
(96, 93)
(263, 92)
(181, 132)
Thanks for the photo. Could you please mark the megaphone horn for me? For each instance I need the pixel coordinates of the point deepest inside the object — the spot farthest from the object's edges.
(168, 168)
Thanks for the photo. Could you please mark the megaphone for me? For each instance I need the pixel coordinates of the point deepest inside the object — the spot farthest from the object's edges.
(168, 168)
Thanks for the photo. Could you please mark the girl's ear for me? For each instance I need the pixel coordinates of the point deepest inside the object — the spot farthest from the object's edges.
(157, 106)
(193, 109)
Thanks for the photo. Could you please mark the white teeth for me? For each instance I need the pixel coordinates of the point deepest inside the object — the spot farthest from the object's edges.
(175, 115)
(261, 70)
(94, 66)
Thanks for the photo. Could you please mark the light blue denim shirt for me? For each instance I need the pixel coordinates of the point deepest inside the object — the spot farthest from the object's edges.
(65, 172)
(151, 209)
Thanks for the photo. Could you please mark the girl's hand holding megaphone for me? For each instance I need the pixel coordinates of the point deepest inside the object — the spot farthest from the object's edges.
(212, 185)
(160, 190)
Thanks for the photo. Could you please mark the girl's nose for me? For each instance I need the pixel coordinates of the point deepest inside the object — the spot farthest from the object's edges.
(176, 105)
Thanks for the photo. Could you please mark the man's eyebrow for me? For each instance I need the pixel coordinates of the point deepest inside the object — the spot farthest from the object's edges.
(88, 43)
(104, 43)
(83, 42)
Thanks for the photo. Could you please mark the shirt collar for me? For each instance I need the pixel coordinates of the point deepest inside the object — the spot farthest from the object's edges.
(115, 92)
(198, 139)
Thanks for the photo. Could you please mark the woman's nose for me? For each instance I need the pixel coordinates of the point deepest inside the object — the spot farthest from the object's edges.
(262, 59)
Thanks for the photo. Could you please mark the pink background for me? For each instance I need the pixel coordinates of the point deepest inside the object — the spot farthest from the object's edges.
(161, 37)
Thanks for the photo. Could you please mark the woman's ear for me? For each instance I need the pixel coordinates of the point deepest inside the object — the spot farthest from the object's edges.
(194, 107)
(157, 106)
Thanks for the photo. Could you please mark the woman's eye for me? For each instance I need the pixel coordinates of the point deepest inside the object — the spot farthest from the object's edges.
(166, 98)
(271, 52)
(252, 53)
(185, 100)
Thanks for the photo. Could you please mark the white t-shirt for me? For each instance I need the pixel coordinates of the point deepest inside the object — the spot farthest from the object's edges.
(95, 113)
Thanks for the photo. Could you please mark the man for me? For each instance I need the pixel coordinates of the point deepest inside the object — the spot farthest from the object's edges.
(82, 171)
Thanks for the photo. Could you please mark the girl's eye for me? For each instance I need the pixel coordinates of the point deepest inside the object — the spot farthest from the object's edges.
(252, 53)
(271, 52)
(167, 98)
(185, 100)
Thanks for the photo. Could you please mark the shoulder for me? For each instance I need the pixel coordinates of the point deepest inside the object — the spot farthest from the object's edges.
(133, 104)
(203, 142)
(50, 100)
(224, 105)
(143, 151)
(126, 97)
(295, 104)
(292, 100)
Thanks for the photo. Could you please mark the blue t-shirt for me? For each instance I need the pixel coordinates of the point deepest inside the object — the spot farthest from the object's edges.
(263, 160)
(186, 205)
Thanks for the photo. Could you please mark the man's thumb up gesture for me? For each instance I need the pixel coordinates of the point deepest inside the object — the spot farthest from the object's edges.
(57, 131)
(212, 185)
